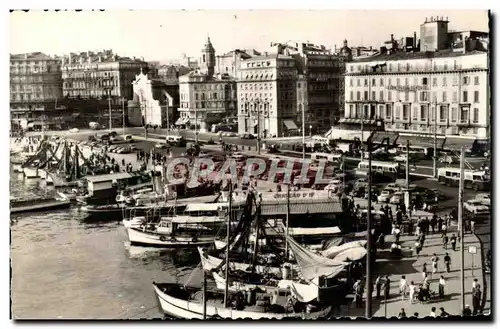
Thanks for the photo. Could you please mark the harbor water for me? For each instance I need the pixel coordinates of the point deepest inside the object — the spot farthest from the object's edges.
(64, 268)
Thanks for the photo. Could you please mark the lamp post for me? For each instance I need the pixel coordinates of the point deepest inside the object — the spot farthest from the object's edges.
(303, 132)
(123, 115)
(310, 130)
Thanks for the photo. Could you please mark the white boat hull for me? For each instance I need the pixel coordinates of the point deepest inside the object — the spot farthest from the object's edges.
(30, 172)
(142, 238)
(184, 309)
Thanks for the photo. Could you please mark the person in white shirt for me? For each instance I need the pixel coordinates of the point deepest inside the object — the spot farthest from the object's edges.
(442, 283)
(433, 312)
(412, 287)
(474, 284)
(403, 287)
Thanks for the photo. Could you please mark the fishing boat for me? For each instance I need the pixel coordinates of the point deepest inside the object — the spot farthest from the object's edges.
(183, 302)
(41, 204)
(178, 231)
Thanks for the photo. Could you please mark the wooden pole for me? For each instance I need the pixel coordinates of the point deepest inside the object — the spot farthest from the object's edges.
(204, 295)
(407, 164)
(287, 219)
(461, 225)
(230, 211)
(257, 236)
(369, 284)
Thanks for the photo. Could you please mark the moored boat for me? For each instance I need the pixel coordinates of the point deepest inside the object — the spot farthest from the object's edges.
(183, 302)
(138, 237)
(43, 204)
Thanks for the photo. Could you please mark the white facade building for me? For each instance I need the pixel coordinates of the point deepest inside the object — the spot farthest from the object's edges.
(416, 92)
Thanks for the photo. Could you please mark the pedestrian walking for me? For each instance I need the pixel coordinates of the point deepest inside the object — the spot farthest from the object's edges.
(433, 312)
(440, 224)
(402, 314)
(424, 271)
(476, 299)
(412, 288)
(434, 260)
(443, 228)
(403, 287)
(378, 285)
(358, 293)
(442, 283)
(387, 287)
(418, 248)
(474, 284)
(433, 223)
(447, 262)
(472, 226)
(445, 242)
(453, 241)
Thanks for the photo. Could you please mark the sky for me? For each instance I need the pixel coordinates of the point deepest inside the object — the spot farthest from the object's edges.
(167, 34)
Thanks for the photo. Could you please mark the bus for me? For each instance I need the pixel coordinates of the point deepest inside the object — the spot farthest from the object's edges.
(474, 179)
(381, 170)
(420, 151)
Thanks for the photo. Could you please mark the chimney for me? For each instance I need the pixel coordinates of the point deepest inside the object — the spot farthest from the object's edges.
(414, 40)
(392, 38)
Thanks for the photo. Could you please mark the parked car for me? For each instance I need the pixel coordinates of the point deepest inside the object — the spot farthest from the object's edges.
(160, 146)
(128, 138)
(476, 207)
(385, 196)
(333, 185)
(446, 159)
(247, 136)
(393, 187)
(484, 198)
(397, 198)
(400, 158)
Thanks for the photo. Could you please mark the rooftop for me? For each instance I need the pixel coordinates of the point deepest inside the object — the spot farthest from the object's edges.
(31, 56)
(401, 55)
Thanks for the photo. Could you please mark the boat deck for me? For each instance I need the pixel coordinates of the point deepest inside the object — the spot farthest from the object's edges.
(48, 205)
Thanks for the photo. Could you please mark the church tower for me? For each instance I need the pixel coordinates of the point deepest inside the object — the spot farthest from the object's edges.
(208, 59)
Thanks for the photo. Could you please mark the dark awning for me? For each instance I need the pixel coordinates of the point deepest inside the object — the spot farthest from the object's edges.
(455, 143)
(290, 125)
(420, 141)
(304, 207)
(378, 136)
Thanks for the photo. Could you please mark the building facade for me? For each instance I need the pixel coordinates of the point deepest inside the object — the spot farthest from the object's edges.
(35, 90)
(230, 62)
(267, 96)
(170, 73)
(415, 93)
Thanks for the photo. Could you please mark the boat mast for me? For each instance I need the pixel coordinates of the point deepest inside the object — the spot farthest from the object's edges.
(230, 212)
(65, 158)
(76, 165)
(254, 258)
(287, 218)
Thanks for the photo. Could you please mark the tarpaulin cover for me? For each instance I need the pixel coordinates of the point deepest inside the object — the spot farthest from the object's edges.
(312, 265)
(332, 252)
(337, 241)
(351, 254)
(303, 292)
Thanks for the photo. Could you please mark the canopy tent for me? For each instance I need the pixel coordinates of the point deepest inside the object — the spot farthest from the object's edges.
(290, 124)
(312, 265)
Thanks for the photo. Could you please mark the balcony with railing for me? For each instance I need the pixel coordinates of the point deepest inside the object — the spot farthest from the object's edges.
(414, 69)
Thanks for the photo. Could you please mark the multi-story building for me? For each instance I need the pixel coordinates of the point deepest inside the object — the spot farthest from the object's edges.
(230, 62)
(426, 93)
(35, 91)
(190, 62)
(267, 95)
(205, 98)
(94, 82)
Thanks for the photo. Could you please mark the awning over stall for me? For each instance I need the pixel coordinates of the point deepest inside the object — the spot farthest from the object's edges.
(455, 143)
(379, 136)
(420, 141)
(290, 124)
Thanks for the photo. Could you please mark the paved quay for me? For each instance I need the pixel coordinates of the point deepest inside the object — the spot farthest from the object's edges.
(411, 267)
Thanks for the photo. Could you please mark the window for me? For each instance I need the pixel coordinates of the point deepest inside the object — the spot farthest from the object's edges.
(352, 95)
(358, 83)
(455, 97)
(407, 96)
(204, 58)
(444, 81)
(406, 112)
(389, 95)
(406, 81)
(388, 112)
(366, 82)
(465, 80)
(398, 110)
(464, 114)
(423, 113)
(397, 82)
(424, 81)
(434, 96)
(476, 96)
(433, 113)
(365, 94)
(407, 66)
(351, 83)
(434, 81)
(374, 83)
(445, 66)
(453, 114)
(444, 96)
(475, 117)
(476, 81)
(351, 111)
(196, 96)
(381, 82)
(443, 115)
(423, 96)
(415, 113)
(373, 96)
(381, 96)
(464, 98)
